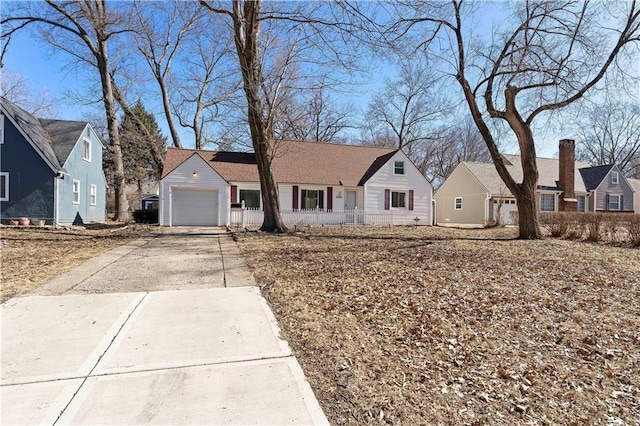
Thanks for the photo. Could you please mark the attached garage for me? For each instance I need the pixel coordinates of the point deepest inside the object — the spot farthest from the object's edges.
(194, 207)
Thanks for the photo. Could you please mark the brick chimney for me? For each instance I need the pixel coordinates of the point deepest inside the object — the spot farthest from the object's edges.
(567, 173)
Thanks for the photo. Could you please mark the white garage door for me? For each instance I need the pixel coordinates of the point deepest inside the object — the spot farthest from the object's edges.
(194, 207)
(507, 206)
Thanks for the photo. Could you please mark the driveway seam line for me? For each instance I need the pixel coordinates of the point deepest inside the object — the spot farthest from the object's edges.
(100, 357)
(224, 271)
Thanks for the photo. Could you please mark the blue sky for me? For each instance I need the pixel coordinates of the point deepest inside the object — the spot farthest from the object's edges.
(46, 71)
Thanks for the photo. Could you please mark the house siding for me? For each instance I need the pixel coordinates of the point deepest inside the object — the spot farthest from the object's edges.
(621, 188)
(31, 180)
(412, 179)
(461, 183)
(88, 174)
(206, 178)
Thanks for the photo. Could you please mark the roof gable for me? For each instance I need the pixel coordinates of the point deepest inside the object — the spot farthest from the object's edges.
(63, 135)
(31, 129)
(548, 170)
(593, 176)
(293, 162)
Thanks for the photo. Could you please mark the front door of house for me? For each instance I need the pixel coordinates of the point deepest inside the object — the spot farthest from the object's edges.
(350, 204)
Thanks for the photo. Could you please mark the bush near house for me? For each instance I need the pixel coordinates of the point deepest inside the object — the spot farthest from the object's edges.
(145, 216)
(612, 227)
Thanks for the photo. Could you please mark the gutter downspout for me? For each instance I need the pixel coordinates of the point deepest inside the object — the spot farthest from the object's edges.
(56, 208)
(487, 206)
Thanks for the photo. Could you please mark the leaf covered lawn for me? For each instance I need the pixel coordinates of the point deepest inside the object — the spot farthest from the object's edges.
(443, 326)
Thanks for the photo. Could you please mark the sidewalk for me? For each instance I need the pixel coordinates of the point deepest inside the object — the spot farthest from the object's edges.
(194, 356)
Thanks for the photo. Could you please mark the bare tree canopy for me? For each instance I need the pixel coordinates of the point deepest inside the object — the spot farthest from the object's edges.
(611, 134)
(541, 56)
(19, 90)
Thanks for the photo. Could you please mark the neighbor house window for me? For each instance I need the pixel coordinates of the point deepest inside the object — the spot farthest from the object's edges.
(251, 198)
(582, 203)
(93, 195)
(614, 202)
(614, 178)
(398, 199)
(398, 168)
(4, 186)
(1, 128)
(86, 149)
(547, 203)
(76, 192)
(312, 199)
(458, 203)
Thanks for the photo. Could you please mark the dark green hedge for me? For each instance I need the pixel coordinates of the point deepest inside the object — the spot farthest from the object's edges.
(145, 216)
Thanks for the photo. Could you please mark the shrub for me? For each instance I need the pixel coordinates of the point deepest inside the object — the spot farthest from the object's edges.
(633, 228)
(145, 216)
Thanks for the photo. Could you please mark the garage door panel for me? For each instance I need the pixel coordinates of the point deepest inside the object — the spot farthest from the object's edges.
(194, 207)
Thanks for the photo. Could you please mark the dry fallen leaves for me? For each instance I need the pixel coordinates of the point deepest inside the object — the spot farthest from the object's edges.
(31, 256)
(442, 326)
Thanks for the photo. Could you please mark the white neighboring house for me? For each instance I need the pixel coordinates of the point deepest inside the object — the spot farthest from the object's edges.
(318, 183)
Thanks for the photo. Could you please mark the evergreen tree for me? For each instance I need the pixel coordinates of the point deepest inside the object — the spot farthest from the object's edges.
(137, 146)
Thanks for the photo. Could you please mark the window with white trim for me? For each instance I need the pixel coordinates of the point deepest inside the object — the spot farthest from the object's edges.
(547, 202)
(582, 203)
(398, 167)
(250, 198)
(614, 202)
(457, 203)
(614, 178)
(312, 199)
(76, 191)
(1, 128)
(398, 199)
(93, 195)
(86, 149)
(4, 186)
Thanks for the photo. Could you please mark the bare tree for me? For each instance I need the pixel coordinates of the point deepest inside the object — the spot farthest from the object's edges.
(245, 17)
(82, 29)
(17, 89)
(611, 134)
(207, 88)
(161, 28)
(313, 116)
(542, 57)
(408, 108)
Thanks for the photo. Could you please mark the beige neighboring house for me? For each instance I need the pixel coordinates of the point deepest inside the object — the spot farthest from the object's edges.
(635, 184)
(475, 195)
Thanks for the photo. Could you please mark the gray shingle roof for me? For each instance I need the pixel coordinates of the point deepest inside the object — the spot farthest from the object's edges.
(33, 131)
(593, 176)
(548, 169)
(63, 135)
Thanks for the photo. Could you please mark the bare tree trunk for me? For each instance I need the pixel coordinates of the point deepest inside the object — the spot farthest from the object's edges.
(247, 37)
(168, 115)
(122, 204)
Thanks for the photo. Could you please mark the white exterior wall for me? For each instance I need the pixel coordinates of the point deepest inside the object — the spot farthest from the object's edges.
(385, 178)
(206, 178)
(285, 190)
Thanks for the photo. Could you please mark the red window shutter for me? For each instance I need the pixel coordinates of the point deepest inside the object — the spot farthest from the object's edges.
(387, 199)
(329, 198)
(295, 198)
(411, 199)
(234, 194)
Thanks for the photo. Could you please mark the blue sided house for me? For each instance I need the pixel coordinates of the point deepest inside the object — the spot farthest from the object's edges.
(49, 169)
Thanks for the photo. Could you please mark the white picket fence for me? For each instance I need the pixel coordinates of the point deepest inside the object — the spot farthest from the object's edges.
(253, 217)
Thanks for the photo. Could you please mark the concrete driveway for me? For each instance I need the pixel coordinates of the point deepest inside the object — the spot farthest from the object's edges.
(102, 345)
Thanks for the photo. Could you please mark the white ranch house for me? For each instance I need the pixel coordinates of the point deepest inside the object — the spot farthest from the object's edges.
(318, 183)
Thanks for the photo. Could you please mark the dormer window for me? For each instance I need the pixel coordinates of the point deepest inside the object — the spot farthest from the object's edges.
(398, 168)
(86, 149)
(614, 178)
